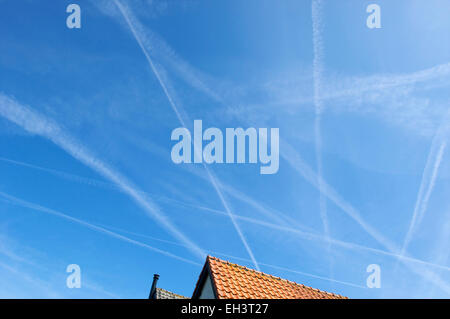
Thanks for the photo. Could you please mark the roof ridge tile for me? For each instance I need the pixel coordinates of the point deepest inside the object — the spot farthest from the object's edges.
(238, 271)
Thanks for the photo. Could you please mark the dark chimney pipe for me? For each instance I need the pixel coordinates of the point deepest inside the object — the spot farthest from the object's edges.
(153, 289)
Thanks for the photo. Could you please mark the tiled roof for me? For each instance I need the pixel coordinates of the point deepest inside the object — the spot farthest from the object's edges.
(233, 281)
(164, 294)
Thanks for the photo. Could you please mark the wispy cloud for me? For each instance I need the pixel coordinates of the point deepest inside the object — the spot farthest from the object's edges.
(108, 230)
(36, 123)
(139, 34)
(298, 230)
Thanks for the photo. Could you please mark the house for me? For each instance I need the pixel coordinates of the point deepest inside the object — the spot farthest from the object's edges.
(220, 279)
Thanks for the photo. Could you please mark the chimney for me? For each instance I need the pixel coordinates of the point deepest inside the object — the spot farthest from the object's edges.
(153, 289)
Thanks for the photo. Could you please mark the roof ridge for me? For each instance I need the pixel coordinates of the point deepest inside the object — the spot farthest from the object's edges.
(275, 277)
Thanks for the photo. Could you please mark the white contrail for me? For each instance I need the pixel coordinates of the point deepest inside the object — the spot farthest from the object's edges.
(64, 175)
(432, 182)
(318, 66)
(428, 181)
(134, 25)
(33, 206)
(36, 123)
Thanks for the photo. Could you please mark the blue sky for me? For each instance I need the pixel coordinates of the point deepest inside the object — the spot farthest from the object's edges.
(86, 117)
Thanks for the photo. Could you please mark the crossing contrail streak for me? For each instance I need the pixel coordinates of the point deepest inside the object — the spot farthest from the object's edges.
(33, 206)
(238, 258)
(108, 230)
(429, 176)
(134, 25)
(36, 123)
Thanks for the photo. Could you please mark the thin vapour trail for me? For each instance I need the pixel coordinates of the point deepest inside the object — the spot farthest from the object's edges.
(428, 181)
(296, 162)
(36, 207)
(36, 123)
(128, 17)
(304, 170)
(318, 66)
(319, 237)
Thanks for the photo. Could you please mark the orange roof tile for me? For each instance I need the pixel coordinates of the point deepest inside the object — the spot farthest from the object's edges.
(232, 281)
